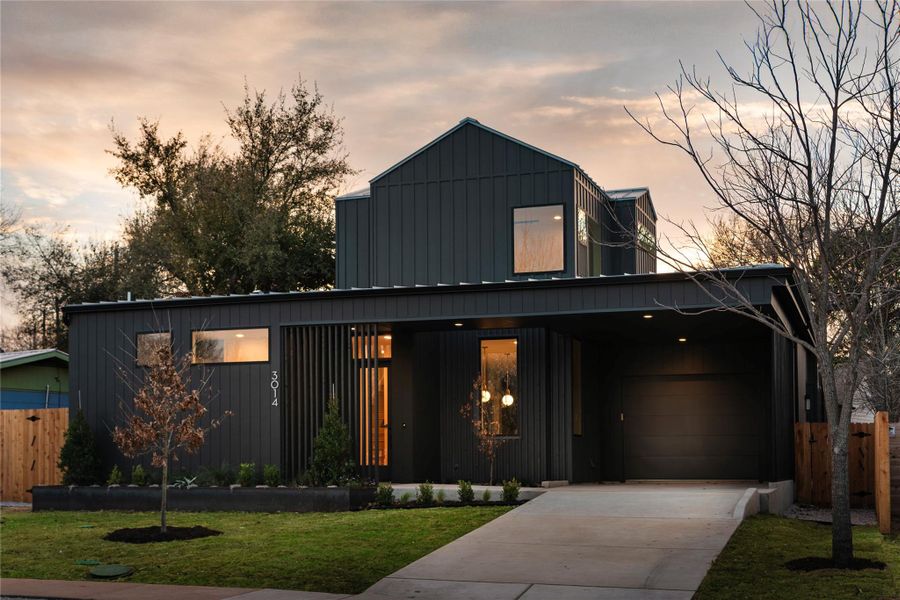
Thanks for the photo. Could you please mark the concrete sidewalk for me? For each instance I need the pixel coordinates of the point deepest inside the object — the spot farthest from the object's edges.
(97, 590)
(621, 542)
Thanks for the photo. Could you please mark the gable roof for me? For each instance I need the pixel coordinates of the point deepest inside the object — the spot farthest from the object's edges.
(631, 194)
(24, 357)
(355, 194)
(476, 123)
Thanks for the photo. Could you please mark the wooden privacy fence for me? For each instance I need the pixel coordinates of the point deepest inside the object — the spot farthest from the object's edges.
(869, 467)
(30, 441)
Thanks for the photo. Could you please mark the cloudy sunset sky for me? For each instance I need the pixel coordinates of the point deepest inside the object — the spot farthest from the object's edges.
(555, 75)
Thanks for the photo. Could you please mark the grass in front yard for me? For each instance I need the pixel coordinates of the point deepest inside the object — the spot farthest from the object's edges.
(752, 565)
(328, 552)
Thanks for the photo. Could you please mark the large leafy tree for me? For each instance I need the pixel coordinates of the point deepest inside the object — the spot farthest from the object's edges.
(259, 217)
(47, 271)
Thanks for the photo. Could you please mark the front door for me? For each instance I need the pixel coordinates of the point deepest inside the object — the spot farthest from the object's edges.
(374, 414)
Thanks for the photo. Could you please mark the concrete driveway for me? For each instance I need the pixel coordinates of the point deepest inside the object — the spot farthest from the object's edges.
(623, 542)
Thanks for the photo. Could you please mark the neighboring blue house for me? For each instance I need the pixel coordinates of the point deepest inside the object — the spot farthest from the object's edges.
(34, 379)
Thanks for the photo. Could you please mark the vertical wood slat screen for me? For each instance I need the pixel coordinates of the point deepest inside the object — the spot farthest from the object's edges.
(320, 361)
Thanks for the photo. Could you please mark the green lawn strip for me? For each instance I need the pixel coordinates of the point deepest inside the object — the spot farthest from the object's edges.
(752, 564)
(327, 552)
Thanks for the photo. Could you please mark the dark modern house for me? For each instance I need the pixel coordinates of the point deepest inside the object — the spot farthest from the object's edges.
(482, 270)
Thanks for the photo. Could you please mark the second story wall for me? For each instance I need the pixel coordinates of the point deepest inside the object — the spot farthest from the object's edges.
(445, 214)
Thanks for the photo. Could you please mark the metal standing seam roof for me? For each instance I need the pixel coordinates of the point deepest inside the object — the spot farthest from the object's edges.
(477, 123)
(768, 270)
(631, 194)
(23, 357)
(355, 195)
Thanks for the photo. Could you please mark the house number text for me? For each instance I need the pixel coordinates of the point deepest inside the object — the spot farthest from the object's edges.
(274, 386)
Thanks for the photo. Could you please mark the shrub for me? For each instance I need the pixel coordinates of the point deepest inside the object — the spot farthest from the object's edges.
(331, 463)
(138, 475)
(223, 476)
(511, 490)
(115, 476)
(486, 495)
(184, 482)
(271, 475)
(405, 498)
(79, 459)
(440, 496)
(425, 494)
(384, 495)
(465, 492)
(247, 474)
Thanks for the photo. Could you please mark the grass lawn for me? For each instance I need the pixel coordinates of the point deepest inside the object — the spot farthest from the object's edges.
(328, 552)
(752, 565)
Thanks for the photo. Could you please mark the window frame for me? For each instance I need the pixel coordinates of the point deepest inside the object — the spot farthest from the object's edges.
(243, 362)
(518, 341)
(512, 237)
(137, 334)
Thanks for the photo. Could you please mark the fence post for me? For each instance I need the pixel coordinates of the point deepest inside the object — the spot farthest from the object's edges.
(882, 473)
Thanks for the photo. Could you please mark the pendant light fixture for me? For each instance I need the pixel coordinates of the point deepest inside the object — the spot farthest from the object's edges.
(507, 399)
(485, 394)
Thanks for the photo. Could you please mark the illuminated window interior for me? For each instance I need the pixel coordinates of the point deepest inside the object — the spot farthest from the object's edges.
(364, 347)
(499, 405)
(373, 397)
(538, 239)
(230, 346)
(373, 427)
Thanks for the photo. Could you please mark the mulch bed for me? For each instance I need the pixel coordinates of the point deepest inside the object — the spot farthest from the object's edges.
(816, 563)
(146, 535)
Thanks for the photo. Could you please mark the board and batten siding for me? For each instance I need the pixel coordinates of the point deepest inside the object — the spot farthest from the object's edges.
(352, 243)
(445, 215)
(101, 342)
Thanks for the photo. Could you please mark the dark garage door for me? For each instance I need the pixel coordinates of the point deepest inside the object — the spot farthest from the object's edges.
(691, 428)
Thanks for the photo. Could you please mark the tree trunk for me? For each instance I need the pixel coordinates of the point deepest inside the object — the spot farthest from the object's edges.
(165, 491)
(839, 430)
(491, 472)
(841, 535)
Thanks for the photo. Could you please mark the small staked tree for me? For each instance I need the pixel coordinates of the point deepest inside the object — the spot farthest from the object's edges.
(802, 148)
(167, 417)
(487, 442)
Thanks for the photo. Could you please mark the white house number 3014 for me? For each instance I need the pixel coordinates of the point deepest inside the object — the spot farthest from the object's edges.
(274, 386)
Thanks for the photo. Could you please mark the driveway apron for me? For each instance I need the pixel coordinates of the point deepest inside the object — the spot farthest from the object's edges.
(628, 541)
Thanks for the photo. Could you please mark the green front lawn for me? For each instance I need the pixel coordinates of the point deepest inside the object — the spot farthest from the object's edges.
(328, 552)
(752, 565)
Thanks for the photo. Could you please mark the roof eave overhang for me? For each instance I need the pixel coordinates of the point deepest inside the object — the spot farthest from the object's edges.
(779, 274)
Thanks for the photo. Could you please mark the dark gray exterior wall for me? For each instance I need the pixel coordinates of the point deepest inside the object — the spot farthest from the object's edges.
(102, 337)
(620, 228)
(100, 341)
(591, 199)
(353, 243)
(445, 216)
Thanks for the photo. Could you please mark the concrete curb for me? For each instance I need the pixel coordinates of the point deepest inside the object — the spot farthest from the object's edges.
(748, 505)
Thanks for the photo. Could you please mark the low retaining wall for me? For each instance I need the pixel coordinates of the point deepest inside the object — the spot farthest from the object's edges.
(202, 499)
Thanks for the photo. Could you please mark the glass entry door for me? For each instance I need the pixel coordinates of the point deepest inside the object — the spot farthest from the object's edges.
(374, 424)
(374, 351)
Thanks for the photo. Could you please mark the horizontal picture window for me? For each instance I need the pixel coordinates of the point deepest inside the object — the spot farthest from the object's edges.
(230, 346)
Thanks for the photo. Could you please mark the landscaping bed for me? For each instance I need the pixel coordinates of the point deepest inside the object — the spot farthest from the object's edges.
(327, 552)
(228, 499)
(777, 558)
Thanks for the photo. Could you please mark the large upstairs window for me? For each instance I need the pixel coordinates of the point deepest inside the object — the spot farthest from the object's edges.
(538, 239)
